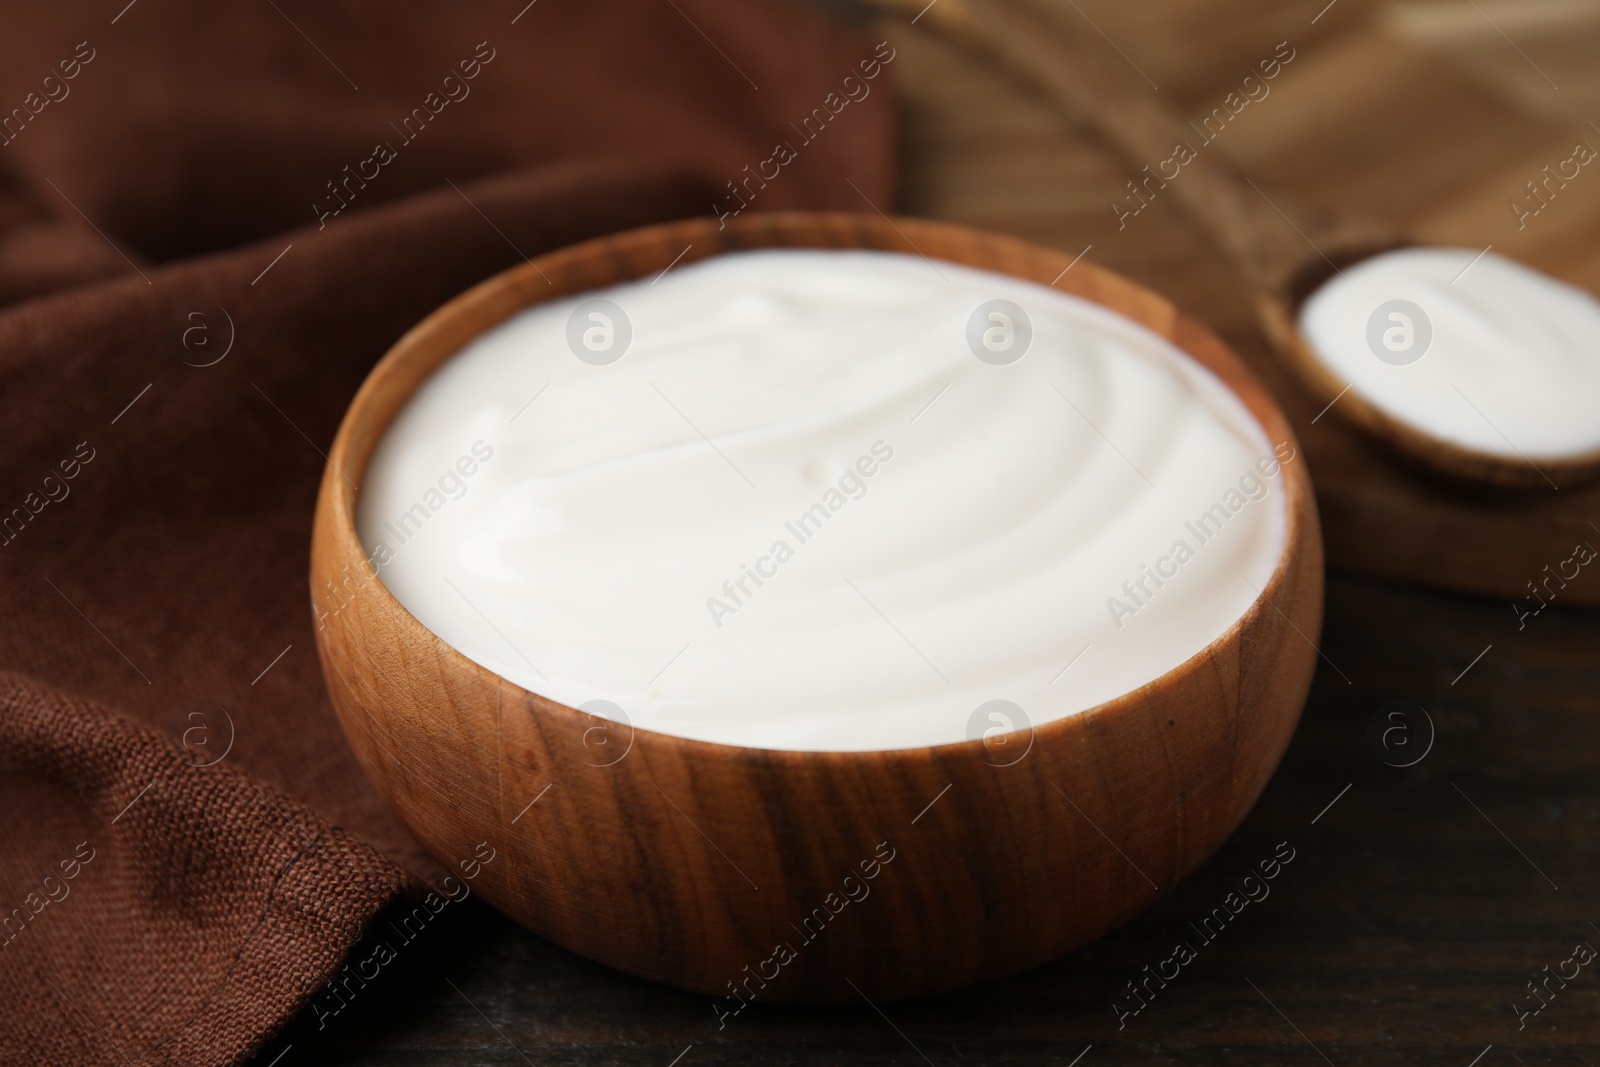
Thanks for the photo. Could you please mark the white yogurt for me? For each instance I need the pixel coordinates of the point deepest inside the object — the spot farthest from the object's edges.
(1512, 367)
(800, 513)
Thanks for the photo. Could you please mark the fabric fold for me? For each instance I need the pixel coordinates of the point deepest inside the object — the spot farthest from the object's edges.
(237, 900)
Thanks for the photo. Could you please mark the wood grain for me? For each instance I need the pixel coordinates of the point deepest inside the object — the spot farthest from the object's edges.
(688, 862)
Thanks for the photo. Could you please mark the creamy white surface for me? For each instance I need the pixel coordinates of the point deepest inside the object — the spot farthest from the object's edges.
(976, 566)
(1514, 365)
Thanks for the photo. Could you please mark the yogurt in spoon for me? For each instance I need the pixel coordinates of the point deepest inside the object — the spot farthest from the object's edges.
(1472, 348)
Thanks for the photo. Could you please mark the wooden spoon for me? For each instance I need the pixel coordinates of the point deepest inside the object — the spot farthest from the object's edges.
(1284, 249)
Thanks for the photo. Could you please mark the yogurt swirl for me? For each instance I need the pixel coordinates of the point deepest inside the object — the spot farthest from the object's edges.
(809, 508)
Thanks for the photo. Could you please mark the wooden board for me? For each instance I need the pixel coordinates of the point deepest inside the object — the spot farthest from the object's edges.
(1408, 113)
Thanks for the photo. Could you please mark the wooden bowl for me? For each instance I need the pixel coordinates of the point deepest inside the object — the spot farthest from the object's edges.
(815, 876)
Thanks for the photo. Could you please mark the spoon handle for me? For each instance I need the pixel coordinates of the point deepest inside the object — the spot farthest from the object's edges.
(1077, 77)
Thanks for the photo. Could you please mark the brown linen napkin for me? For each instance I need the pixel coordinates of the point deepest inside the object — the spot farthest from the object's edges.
(187, 848)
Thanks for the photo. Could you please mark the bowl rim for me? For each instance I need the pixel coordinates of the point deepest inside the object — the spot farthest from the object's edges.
(337, 495)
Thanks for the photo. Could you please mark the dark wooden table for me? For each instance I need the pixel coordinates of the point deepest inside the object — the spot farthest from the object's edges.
(1419, 904)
